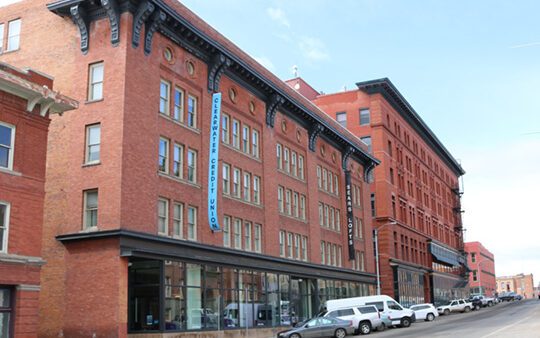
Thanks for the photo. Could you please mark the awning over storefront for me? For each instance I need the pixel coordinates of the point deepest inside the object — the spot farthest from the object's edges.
(443, 255)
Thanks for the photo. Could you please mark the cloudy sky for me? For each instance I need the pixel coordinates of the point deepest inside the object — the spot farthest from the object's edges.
(471, 69)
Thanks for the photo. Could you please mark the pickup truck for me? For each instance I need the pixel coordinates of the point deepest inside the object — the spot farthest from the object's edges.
(486, 301)
(456, 305)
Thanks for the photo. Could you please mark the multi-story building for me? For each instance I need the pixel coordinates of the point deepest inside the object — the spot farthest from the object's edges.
(131, 237)
(521, 284)
(26, 100)
(481, 262)
(415, 201)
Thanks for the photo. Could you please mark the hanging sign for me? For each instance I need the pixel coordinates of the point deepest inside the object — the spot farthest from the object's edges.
(350, 217)
(213, 164)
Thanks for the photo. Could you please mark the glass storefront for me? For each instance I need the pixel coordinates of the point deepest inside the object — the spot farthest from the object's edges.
(410, 287)
(446, 289)
(6, 312)
(180, 296)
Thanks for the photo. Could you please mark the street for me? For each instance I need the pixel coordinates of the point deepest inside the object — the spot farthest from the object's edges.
(513, 319)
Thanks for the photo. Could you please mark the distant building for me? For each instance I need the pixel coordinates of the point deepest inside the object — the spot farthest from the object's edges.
(521, 284)
(481, 262)
(26, 100)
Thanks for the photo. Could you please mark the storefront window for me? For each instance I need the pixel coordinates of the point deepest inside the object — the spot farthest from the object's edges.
(144, 295)
(5, 312)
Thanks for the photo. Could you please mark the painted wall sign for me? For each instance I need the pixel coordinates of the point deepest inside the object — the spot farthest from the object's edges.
(350, 216)
(213, 163)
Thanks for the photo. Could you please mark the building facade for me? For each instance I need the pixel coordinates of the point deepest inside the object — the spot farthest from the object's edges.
(415, 201)
(26, 100)
(521, 284)
(481, 262)
(131, 239)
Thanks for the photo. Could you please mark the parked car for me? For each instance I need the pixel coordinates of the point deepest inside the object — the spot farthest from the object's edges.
(320, 327)
(476, 302)
(486, 301)
(364, 318)
(427, 312)
(456, 305)
(509, 296)
(392, 313)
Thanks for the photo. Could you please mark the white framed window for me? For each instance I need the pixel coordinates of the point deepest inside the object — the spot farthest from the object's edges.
(341, 118)
(93, 140)
(288, 208)
(278, 156)
(247, 187)
(237, 233)
(227, 231)
(90, 202)
(178, 159)
(334, 255)
(7, 145)
(192, 223)
(331, 216)
(362, 262)
(178, 220)
(339, 255)
(301, 174)
(256, 190)
(319, 177)
(338, 220)
(164, 92)
(294, 168)
(192, 165)
(321, 216)
(325, 180)
(289, 245)
(323, 255)
(257, 238)
(1, 37)
(326, 216)
(255, 143)
(282, 243)
(303, 207)
(280, 199)
(226, 173)
(364, 117)
(192, 111)
(4, 226)
(95, 81)
(297, 246)
(163, 163)
(178, 112)
(225, 120)
(236, 134)
(330, 183)
(295, 202)
(14, 34)
(336, 185)
(304, 248)
(245, 139)
(286, 162)
(328, 253)
(247, 236)
(236, 183)
(163, 216)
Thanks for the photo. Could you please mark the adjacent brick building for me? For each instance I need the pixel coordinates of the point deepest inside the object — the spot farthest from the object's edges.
(481, 262)
(415, 201)
(521, 284)
(26, 100)
(127, 238)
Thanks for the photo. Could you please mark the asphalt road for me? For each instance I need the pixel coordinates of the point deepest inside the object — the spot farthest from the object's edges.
(519, 319)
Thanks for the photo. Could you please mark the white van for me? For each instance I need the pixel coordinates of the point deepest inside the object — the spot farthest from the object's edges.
(391, 311)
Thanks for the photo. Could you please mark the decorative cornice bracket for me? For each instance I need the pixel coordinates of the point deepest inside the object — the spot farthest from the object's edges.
(143, 12)
(217, 66)
(80, 18)
(345, 157)
(314, 131)
(272, 106)
(368, 169)
(45, 106)
(111, 7)
(151, 27)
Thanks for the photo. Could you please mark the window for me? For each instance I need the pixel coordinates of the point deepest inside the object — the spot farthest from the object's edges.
(236, 183)
(475, 276)
(192, 223)
(336, 185)
(227, 231)
(303, 207)
(237, 233)
(90, 209)
(178, 220)
(342, 119)
(282, 243)
(280, 199)
(6, 312)
(290, 245)
(178, 113)
(14, 33)
(7, 140)
(325, 179)
(245, 139)
(95, 82)
(295, 205)
(367, 141)
(364, 117)
(225, 120)
(192, 165)
(93, 139)
(373, 210)
(257, 238)
(236, 134)
(255, 143)
(288, 201)
(256, 190)
(163, 155)
(278, 154)
(319, 178)
(286, 163)
(323, 246)
(301, 167)
(1, 37)
(304, 248)
(473, 257)
(4, 227)
(192, 111)
(247, 188)
(247, 236)
(297, 246)
(226, 179)
(294, 167)
(178, 158)
(163, 216)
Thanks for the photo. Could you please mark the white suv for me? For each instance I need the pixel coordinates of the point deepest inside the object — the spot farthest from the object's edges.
(364, 318)
(456, 305)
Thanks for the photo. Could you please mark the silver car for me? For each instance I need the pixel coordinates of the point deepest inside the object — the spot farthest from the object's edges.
(320, 327)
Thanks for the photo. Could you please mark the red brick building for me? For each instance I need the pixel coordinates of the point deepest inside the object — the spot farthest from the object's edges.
(415, 201)
(127, 238)
(481, 262)
(521, 284)
(26, 100)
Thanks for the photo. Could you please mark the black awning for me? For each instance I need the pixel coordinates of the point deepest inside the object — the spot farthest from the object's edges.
(443, 255)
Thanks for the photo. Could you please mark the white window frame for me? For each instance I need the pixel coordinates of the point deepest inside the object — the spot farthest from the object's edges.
(92, 82)
(227, 231)
(257, 238)
(178, 105)
(165, 218)
(11, 148)
(295, 204)
(191, 118)
(226, 178)
(301, 173)
(282, 243)
(192, 154)
(178, 160)
(294, 168)
(235, 131)
(2, 26)
(323, 253)
(237, 233)
(192, 225)
(281, 207)
(256, 189)
(236, 183)
(16, 36)
(297, 248)
(303, 207)
(225, 128)
(178, 220)
(290, 245)
(248, 239)
(245, 138)
(247, 187)
(304, 248)
(286, 162)
(288, 208)
(5, 228)
(255, 143)
(89, 128)
(279, 149)
(86, 209)
(164, 156)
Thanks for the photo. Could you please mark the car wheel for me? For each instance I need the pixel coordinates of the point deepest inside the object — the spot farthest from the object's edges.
(490, 304)
(477, 307)
(446, 312)
(467, 309)
(364, 327)
(405, 322)
(430, 317)
(340, 333)
(294, 335)
(382, 327)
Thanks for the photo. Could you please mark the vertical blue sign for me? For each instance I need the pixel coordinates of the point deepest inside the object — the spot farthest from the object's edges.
(213, 164)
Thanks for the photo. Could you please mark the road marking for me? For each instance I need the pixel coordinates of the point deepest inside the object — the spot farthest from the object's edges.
(506, 327)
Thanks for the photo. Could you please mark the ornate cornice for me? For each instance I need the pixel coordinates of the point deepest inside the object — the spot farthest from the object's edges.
(216, 68)
(314, 131)
(345, 157)
(79, 17)
(141, 15)
(151, 27)
(111, 8)
(272, 106)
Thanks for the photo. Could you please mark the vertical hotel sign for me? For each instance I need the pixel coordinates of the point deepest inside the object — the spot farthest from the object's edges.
(213, 164)
(348, 199)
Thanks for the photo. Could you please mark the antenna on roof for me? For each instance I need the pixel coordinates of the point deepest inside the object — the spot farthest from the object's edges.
(295, 70)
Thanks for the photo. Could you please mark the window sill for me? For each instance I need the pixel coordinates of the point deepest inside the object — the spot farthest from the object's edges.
(329, 193)
(292, 217)
(93, 101)
(89, 229)
(238, 150)
(10, 172)
(284, 172)
(177, 179)
(237, 199)
(91, 164)
(180, 123)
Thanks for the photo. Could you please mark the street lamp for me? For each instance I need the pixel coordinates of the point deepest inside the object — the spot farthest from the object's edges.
(480, 275)
(376, 240)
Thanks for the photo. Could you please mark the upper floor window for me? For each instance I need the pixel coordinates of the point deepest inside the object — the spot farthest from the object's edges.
(163, 216)
(367, 141)
(342, 118)
(163, 155)
(364, 117)
(192, 112)
(93, 140)
(178, 159)
(164, 92)
(1, 37)
(14, 34)
(7, 140)
(4, 226)
(192, 223)
(178, 113)
(95, 82)
(225, 119)
(192, 165)
(90, 209)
